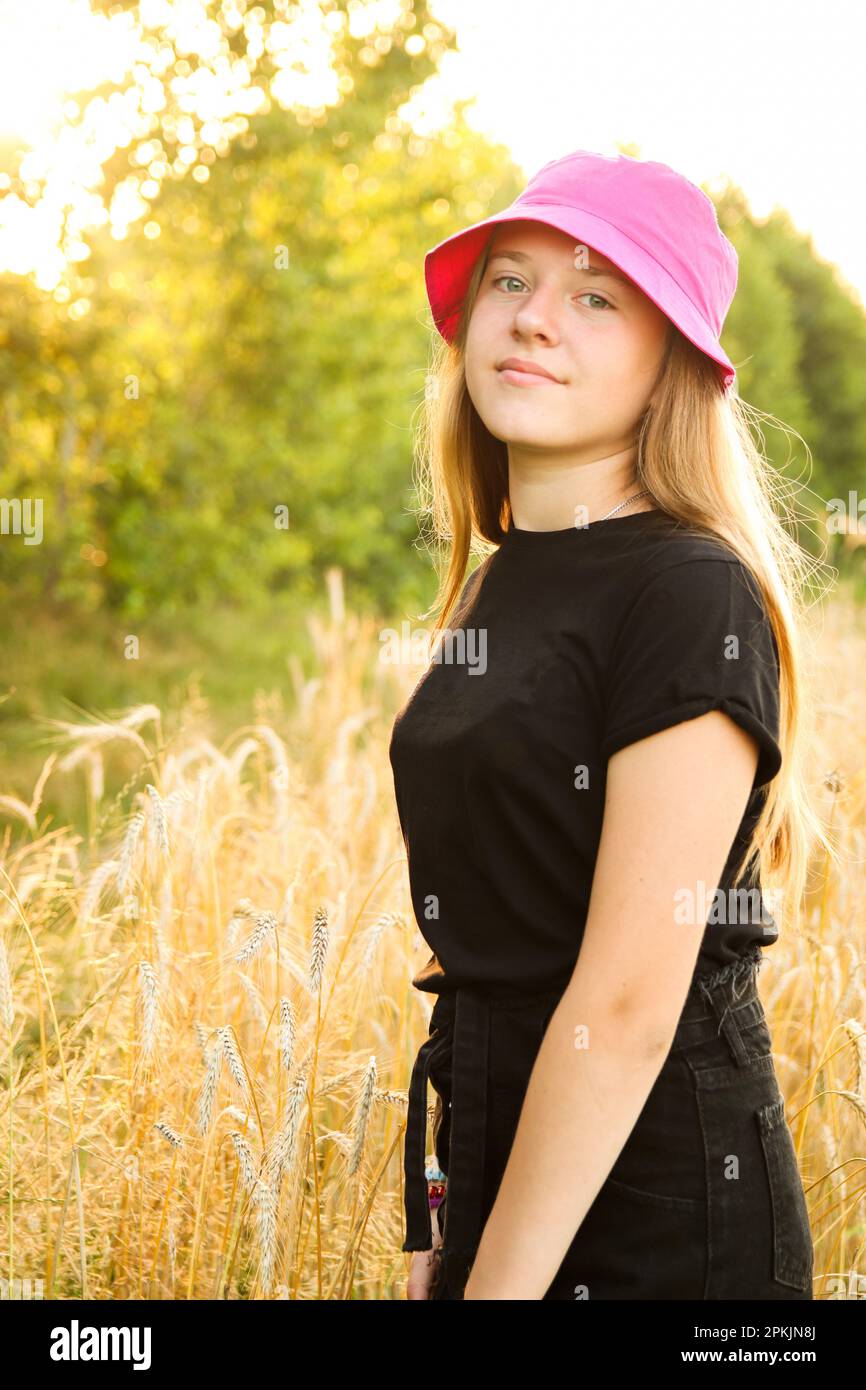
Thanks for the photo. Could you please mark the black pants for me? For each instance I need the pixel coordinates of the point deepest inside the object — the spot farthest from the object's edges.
(705, 1200)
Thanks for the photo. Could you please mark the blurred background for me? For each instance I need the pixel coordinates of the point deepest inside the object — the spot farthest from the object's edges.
(213, 349)
(213, 329)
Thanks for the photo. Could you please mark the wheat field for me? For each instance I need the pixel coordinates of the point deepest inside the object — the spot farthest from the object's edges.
(207, 1025)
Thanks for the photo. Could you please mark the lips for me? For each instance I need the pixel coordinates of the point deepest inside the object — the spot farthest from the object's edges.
(523, 372)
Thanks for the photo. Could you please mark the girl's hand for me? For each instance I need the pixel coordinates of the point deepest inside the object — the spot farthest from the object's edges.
(423, 1269)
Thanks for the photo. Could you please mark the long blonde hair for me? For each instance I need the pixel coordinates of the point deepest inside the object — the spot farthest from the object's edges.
(699, 460)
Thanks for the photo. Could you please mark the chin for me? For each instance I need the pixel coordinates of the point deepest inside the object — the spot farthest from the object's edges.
(528, 440)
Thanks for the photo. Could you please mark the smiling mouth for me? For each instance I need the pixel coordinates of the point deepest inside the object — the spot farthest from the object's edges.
(516, 376)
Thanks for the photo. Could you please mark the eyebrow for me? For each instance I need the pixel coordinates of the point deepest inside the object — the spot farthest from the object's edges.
(586, 270)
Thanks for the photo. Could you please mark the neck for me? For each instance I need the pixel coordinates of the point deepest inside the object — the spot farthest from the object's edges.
(549, 493)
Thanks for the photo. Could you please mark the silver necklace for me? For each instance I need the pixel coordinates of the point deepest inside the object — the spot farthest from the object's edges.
(620, 505)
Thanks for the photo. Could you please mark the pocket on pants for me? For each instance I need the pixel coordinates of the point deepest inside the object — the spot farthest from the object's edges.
(758, 1237)
(793, 1253)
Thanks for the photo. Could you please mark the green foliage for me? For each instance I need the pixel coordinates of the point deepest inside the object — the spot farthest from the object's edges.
(805, 331)
(260, 342)
(266, 350)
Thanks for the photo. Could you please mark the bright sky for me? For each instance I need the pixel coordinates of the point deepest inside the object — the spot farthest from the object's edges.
(766, 91)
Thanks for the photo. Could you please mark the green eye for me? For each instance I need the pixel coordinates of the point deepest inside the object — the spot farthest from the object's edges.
(589, 295)
(498, 278)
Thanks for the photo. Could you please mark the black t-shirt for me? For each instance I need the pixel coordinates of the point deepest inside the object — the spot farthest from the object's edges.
(566, 646)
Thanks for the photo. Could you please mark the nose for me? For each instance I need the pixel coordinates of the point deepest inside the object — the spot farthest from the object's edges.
(537, 314)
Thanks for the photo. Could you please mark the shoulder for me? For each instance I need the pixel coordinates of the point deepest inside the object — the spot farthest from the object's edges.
(691, 593)
(468, 594)
(697, 570)
(678, 544)
(695, 636)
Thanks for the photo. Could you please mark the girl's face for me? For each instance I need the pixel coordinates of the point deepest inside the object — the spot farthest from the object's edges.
(600, 338)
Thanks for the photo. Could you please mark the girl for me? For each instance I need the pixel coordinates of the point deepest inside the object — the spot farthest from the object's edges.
(611, 727)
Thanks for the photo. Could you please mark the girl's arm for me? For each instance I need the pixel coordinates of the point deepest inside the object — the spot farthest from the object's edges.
(673, 805)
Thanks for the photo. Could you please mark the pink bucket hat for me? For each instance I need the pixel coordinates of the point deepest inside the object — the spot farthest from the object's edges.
(656, 226)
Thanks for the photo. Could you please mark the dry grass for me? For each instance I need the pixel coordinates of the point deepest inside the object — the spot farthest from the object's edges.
(206, 1013)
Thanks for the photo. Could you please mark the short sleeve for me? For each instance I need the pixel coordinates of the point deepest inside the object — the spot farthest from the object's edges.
(698, 638)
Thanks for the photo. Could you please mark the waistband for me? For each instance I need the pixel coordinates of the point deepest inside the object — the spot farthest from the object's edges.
(720, 1001)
